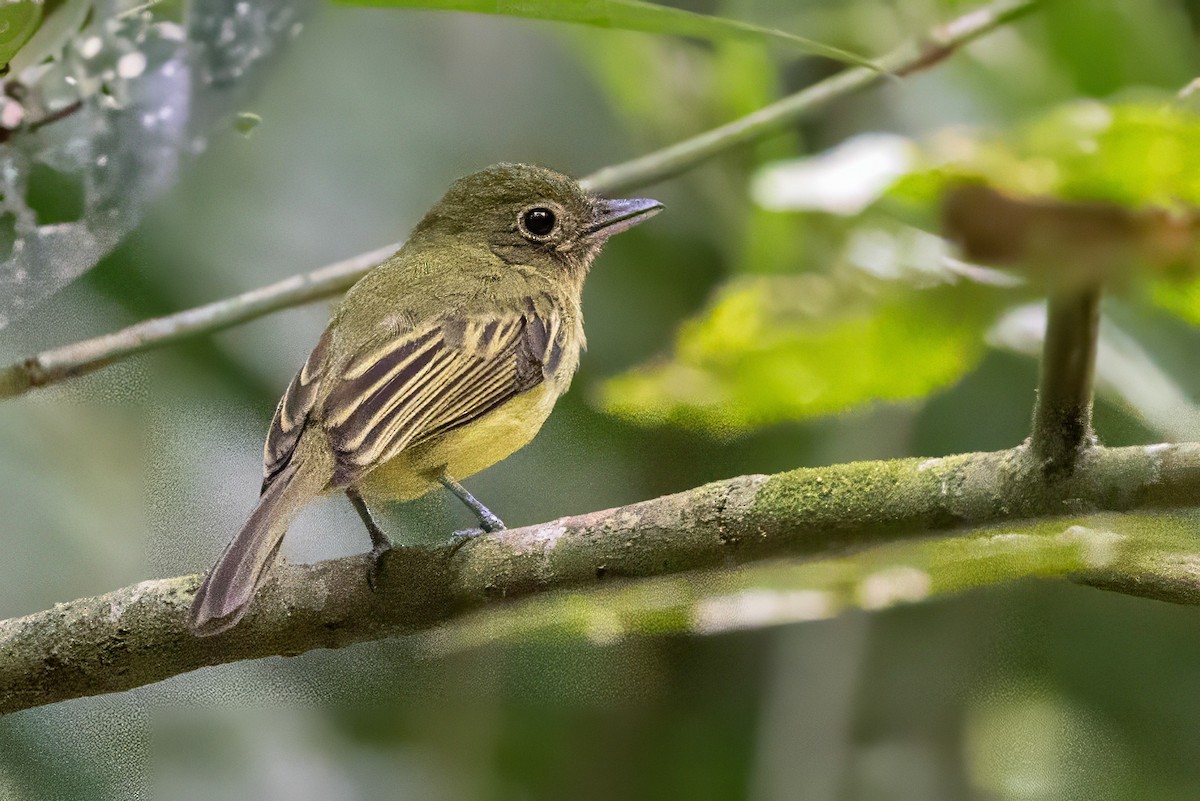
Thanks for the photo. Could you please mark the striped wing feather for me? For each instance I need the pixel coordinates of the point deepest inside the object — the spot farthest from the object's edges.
(292, 413)
(414, 385)
(419, 384)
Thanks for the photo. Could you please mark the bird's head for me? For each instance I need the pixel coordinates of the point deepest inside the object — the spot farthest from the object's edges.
(531, 216)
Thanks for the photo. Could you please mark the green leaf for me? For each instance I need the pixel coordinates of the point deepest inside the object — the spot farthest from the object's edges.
(64, 22)
(1096, 547)
(19, 19)
(774, 348)
(633, 15)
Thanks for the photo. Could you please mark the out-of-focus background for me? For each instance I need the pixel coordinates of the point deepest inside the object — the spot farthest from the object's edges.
(1023, 691)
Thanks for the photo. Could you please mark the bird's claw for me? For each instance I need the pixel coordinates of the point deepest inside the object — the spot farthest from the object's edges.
(489, 524)
(376, 567)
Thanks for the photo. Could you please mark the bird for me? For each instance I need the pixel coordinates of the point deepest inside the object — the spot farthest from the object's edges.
(439, 362)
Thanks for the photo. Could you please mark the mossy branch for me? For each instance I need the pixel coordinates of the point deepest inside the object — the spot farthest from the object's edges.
(68, 361)
(137, 635)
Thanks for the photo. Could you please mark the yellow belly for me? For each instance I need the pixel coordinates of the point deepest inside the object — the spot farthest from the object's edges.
(464, 451)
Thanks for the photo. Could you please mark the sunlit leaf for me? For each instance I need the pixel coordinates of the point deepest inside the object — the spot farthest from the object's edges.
(791, 591)
(773, 348)
(1138, 157)
(630, 15)
(1031, 741)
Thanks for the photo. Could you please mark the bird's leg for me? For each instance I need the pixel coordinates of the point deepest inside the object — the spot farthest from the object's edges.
(379, 540)
(487, 521)
(380, 544)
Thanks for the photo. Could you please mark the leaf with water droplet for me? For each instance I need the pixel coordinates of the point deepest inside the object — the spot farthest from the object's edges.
(115, 101)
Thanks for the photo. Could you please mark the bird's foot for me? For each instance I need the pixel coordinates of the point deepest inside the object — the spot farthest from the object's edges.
(460, 538)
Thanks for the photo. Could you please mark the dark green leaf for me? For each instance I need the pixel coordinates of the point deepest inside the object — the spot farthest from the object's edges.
(631, 15)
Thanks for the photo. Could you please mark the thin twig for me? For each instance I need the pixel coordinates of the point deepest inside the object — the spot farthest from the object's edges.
(1062, 422)
(84, 357)
(931, 49)
(138, 635)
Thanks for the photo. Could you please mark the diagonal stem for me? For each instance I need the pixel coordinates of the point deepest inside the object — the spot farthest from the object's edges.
(68, 361)
(934, 47)
(80, 358)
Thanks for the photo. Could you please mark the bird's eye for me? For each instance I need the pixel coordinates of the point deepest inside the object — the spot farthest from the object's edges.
(539, 221)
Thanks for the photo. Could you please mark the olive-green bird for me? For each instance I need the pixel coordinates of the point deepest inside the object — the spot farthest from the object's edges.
(441, 361)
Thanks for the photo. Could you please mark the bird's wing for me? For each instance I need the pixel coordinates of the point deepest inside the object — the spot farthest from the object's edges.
(291, 415)
(410, 386)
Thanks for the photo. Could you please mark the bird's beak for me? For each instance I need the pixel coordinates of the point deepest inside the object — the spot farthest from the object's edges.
(615, 216)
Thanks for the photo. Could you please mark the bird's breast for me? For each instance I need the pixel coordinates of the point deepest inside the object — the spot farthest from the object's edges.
(464, 451)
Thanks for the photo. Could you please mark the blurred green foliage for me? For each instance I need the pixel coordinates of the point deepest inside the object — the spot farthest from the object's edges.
(812, 338)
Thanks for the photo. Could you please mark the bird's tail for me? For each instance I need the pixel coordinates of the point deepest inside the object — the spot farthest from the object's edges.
(228, 589)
